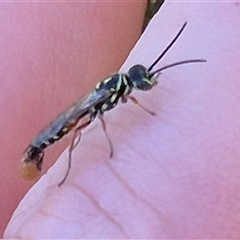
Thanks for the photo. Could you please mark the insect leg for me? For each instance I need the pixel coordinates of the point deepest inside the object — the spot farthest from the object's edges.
(77, 131)
(78, 140)
(100, 116)
(135, 101)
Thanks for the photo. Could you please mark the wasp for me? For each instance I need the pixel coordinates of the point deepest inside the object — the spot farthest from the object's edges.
(103, 98)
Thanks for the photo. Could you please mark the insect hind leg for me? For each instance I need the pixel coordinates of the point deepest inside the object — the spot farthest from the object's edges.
(77, 132)
(100, 116)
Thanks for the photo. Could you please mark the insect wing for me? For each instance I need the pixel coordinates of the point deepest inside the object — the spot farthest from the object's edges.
(80, 108)
(86, 102)
(72, 115)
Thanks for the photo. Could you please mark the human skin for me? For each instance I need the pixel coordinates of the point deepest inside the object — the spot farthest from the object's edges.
(174, 175)
(51, 54)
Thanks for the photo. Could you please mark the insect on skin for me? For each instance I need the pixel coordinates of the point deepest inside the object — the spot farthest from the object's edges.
(104, 97)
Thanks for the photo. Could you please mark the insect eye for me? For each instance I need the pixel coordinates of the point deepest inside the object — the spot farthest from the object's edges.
(139, 77)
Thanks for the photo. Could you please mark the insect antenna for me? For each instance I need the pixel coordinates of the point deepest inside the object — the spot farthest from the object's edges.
(167, 48)
(176, 64)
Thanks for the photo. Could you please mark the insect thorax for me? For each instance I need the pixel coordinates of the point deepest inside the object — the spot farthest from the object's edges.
(118, 85)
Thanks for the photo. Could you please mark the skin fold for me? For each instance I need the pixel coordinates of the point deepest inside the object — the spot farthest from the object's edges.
(173, 175)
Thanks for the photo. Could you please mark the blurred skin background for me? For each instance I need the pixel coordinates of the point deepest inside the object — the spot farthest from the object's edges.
(51, 54)
(194, 196)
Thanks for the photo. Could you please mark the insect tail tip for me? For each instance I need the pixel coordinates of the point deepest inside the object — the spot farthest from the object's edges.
(29, 171)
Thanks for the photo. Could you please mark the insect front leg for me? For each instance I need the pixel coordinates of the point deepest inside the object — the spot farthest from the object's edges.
(135, 101)
(77, 132)
(100, 116)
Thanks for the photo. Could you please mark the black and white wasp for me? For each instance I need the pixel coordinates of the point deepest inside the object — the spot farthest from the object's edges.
(104, 97)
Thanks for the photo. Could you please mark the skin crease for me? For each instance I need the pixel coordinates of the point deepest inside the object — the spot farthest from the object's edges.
(49, 59)
(175, 175)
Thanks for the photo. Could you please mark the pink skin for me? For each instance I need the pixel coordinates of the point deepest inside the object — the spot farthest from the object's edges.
(175, 175)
